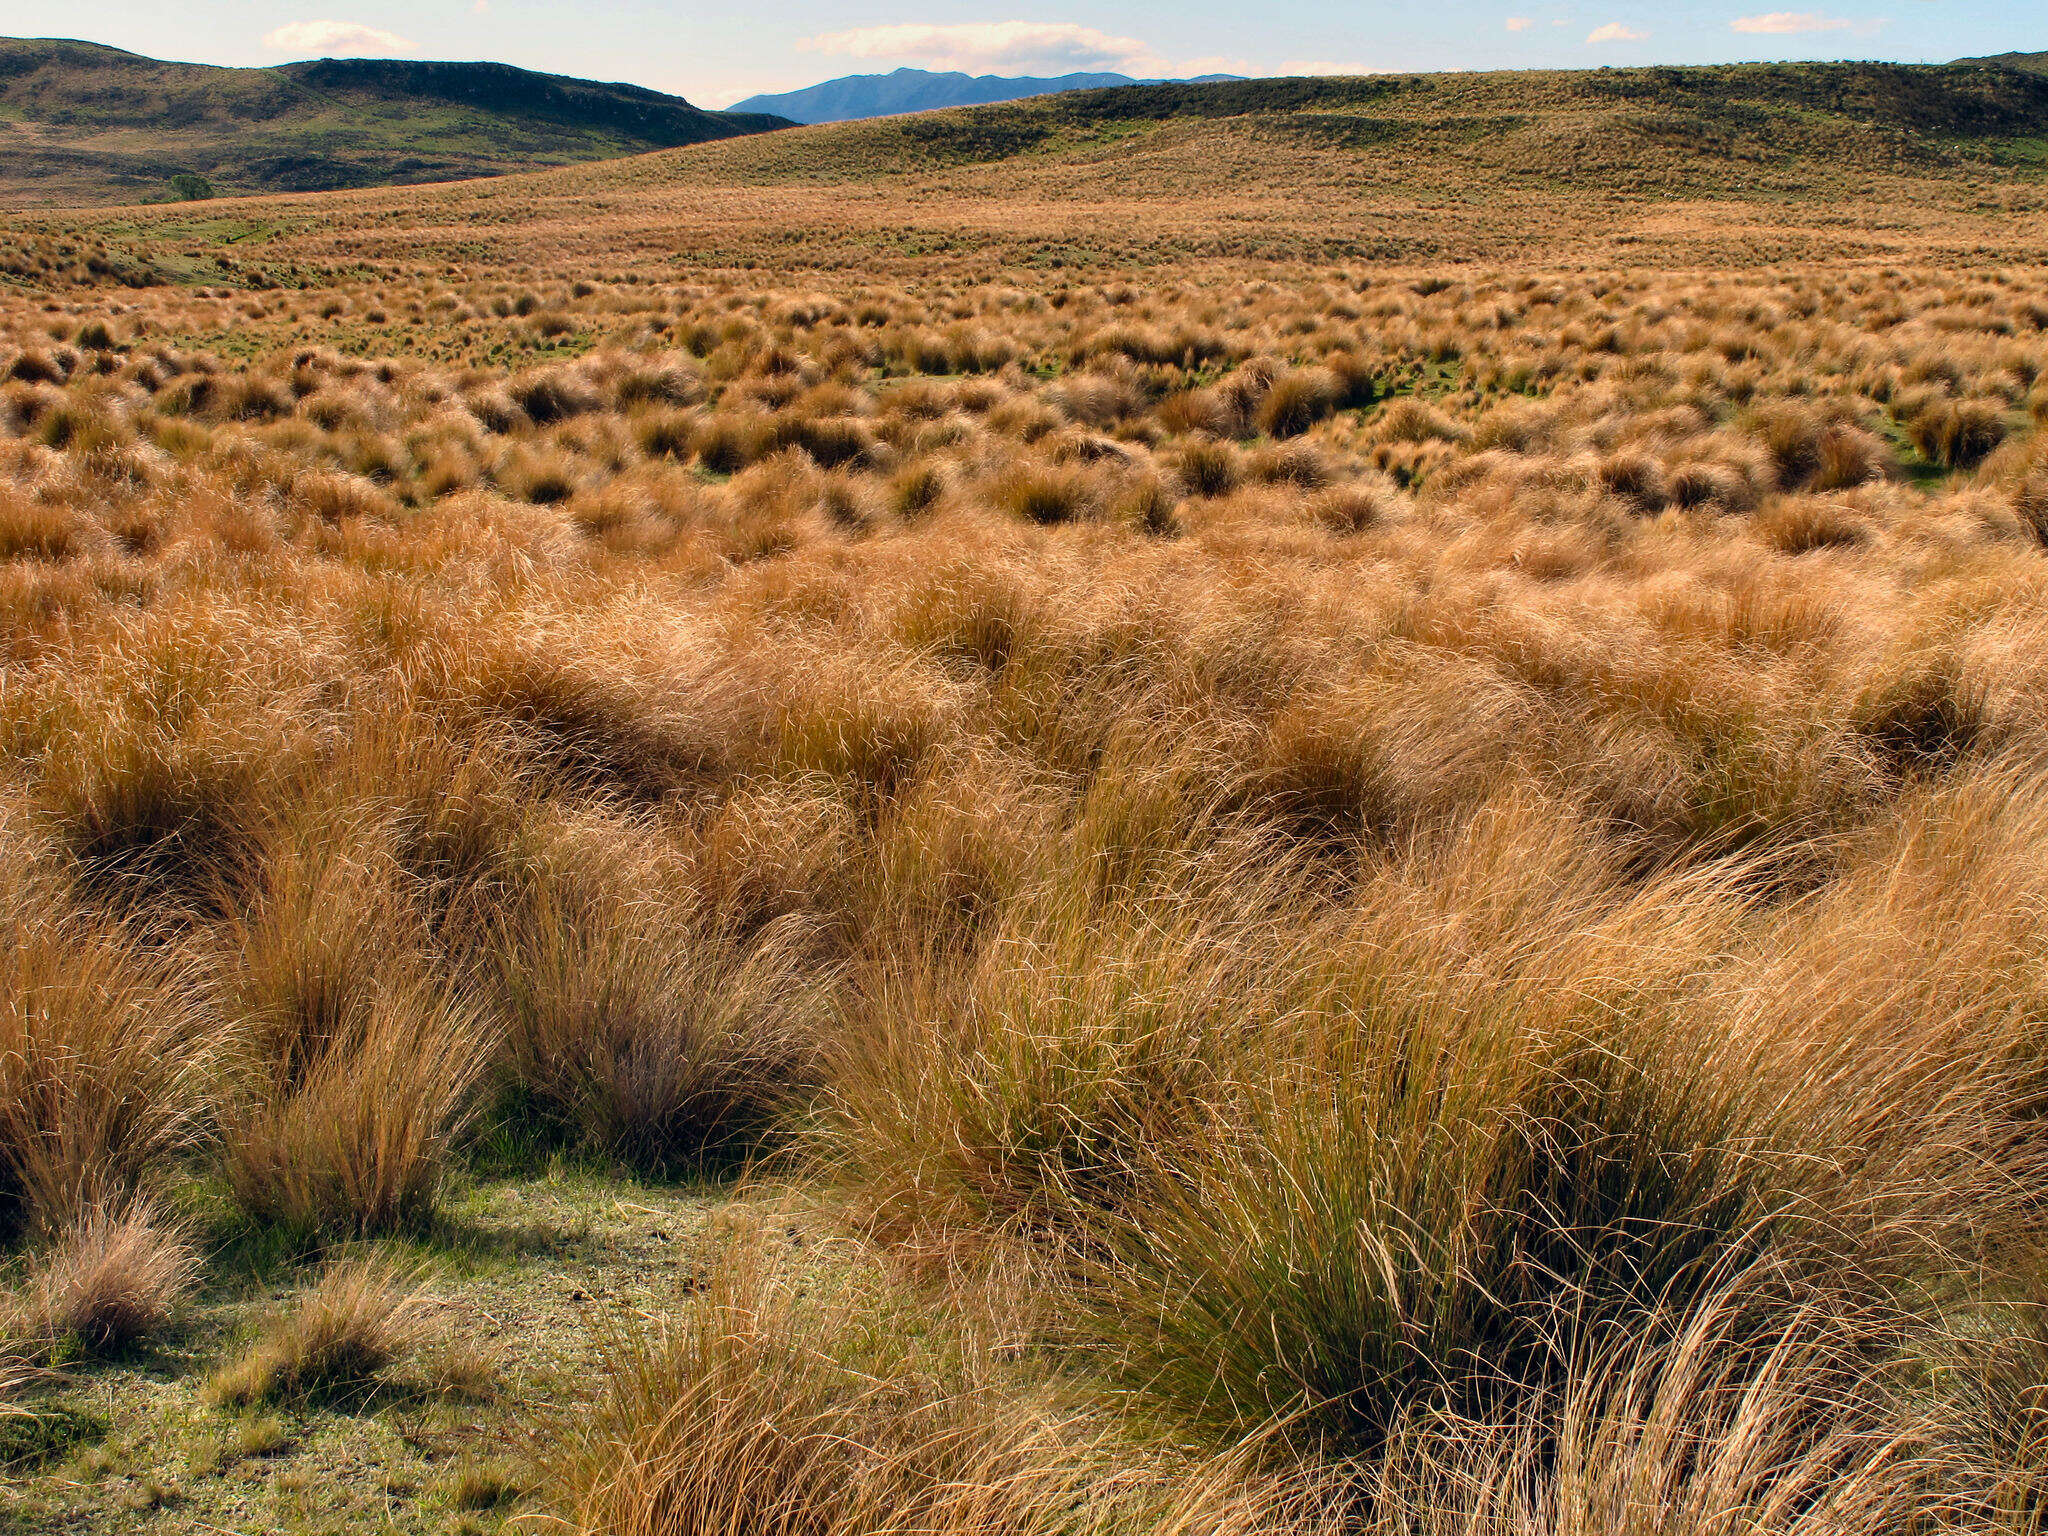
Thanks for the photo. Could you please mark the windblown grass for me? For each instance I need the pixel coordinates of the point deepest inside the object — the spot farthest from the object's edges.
(1368, 898)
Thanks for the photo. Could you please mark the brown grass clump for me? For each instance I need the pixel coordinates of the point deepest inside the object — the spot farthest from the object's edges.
(762, 1410)
(358, 1140)
(1209, 469)
(104, 1069)
(1296, 402)
(1609, 1456)
(654, 1037)
(153, 761)
(33, 530)
(1046, 496)
(1818, 448)
(361, 1066)
(1037, 1085)
(338, 1338)
(1356, 507)
(110, 1279)
(1956, 434)
(1800, 527)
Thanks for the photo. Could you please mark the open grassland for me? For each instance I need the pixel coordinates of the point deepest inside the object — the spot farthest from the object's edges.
(685, 852)
(1666, 168)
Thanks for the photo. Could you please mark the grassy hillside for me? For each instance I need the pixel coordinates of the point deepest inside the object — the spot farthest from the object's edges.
(1753, 163)
(1745, 166)
(1316, 809)
(1681, 128)
(2038, 62)
(80, 123)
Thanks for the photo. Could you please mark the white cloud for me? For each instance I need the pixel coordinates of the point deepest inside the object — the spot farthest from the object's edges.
(1519, 23)
(1786, 23)
(994, 47)
(1615, 32)
(332, 38)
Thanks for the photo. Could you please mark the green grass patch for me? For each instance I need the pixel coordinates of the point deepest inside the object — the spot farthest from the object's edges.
(33, 1440)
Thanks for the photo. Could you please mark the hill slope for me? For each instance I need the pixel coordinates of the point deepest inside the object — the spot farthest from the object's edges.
(1632, 129)
(84, 123)
(2034, 61)
(919, 90)
(1744, 166)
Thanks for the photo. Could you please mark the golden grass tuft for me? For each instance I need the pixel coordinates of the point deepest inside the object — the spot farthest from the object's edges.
(111, 1279)
(360, 1064)
(337, 1339)
(638, 1024)
(759, 1409)
(106, 1068)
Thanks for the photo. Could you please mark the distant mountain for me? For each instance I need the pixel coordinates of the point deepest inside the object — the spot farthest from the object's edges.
(82, 123)
(919, 90)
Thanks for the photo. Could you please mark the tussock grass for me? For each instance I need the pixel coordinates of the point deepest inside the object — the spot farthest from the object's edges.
(1369, 897)
(111, 1279)
(759, 1410)
(1014, 1098)
(360, 1062)
(1697, 1427)
(105, 1067)
(655, 1036)
(337, 1339)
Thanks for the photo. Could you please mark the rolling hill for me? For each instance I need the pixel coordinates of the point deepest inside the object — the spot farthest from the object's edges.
(919, 90)
(2033, 61)
(82, 123)
(1691, 127)
(1749, 164)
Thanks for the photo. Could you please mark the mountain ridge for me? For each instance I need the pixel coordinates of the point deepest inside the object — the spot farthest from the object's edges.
(853, 98)
(85, 123)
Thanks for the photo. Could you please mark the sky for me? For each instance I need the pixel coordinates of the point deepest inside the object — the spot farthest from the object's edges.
(716, 51)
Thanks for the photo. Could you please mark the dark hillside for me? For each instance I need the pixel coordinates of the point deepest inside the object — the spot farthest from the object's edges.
(81, 123)
(2031, 61)
(1803, 127)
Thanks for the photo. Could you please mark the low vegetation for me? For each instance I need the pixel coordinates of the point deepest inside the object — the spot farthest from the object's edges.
(1217, 896)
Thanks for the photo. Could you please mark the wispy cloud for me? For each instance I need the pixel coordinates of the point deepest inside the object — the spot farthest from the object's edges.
(334, 37)
(1615, 32)
(1789, 23)
(1520, 23)
(993, 47)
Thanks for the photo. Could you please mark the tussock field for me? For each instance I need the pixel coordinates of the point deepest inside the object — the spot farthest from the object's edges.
(1199, 896)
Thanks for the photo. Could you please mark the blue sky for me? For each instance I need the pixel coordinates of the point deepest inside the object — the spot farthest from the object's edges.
(715, 51)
